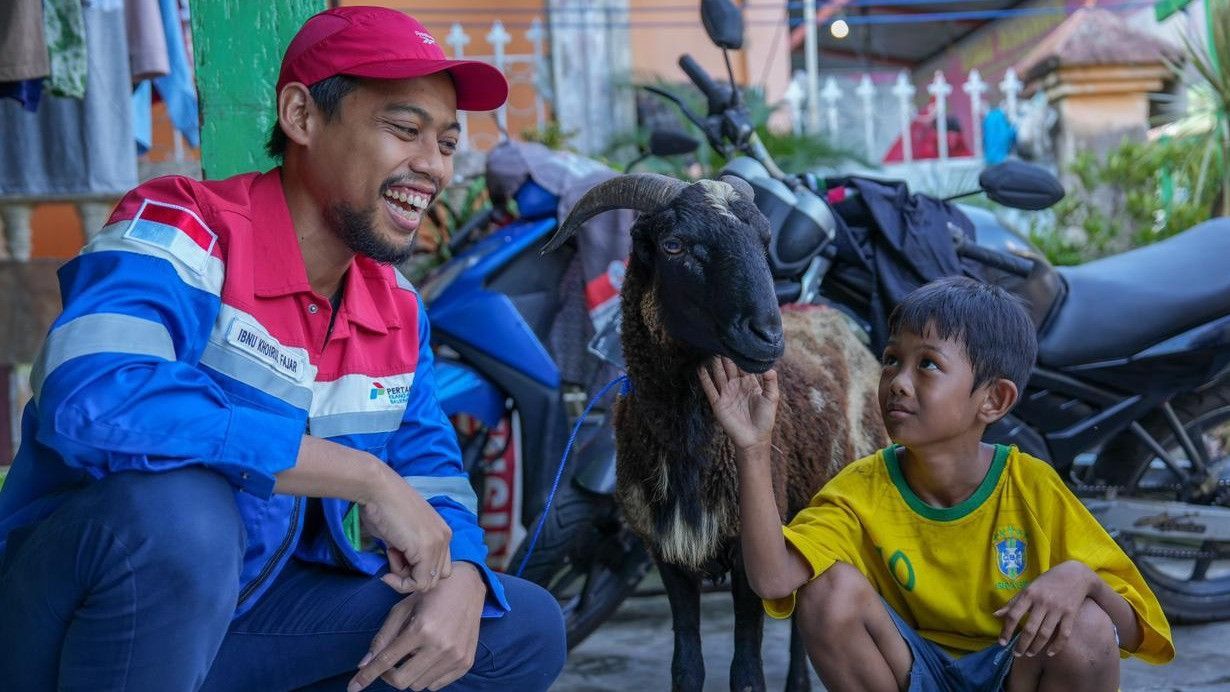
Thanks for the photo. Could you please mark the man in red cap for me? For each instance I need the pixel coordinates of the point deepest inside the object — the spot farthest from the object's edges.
(234, 473)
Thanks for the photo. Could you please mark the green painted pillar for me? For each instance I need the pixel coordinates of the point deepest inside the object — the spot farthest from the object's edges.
(238, 47)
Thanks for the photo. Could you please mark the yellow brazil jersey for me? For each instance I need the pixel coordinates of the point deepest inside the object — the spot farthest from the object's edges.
(946, 570)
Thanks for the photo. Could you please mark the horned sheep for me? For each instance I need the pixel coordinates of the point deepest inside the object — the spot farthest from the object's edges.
(698, 284)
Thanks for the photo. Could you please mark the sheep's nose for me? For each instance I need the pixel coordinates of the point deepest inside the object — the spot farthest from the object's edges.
(768, 328)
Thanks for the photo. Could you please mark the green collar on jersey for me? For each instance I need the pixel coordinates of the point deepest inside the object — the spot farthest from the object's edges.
(959, 510)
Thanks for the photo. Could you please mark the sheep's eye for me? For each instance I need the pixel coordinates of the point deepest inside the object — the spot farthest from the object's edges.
(672, 246)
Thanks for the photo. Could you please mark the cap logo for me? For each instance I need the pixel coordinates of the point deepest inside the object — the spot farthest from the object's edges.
(427, 38)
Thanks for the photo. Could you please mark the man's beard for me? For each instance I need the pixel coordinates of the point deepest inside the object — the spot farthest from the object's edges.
(355, 228)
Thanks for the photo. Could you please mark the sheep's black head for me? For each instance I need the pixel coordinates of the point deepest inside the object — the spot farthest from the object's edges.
(706, 244)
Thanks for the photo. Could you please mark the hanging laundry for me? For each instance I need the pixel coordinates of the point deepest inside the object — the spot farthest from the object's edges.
(147, 40)
(178, 88)
(27, 92)
(23, 50)
(77, 146)
(64, 26)
(142, 117)
(998, 136)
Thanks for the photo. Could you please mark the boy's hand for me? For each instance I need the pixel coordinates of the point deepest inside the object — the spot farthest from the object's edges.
(1051, 602)
(745, 405)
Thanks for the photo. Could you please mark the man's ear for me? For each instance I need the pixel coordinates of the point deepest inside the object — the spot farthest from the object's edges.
(295, 111)
(1001, 396)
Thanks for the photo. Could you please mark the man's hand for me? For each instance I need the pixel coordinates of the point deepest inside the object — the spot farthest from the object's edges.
(744, 406)
(1051, 602)
(432, 635)
(415, 534)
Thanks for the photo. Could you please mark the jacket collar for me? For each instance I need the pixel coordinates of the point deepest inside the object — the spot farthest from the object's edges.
(367, 299)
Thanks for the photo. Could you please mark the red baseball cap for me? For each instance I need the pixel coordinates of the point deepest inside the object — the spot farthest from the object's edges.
(381, 43)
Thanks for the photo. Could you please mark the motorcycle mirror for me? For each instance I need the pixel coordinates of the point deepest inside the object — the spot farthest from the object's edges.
(1021, 185)
(671, 143)
(723, 23)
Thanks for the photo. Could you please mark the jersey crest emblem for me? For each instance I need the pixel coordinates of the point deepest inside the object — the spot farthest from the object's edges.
(1010, 555)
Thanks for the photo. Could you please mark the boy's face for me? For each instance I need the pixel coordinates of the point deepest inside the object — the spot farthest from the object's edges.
(926, 392)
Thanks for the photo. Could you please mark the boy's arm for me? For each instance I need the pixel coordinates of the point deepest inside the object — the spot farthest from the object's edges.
(773, 569)
(1120, 611)
(746, 408)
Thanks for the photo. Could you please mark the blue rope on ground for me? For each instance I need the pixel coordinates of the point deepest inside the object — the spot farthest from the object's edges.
(576, 429)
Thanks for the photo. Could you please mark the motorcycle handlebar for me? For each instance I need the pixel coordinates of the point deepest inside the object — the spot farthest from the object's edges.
(717, 96)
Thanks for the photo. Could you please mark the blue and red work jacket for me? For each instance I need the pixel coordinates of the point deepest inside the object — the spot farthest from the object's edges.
(191, 336)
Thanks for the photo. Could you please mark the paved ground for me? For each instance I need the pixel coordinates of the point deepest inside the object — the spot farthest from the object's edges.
(632, 651)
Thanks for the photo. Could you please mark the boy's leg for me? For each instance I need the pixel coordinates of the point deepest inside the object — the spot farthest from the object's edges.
(315, 623)
(1089, 661)
(850, 636)
(130, 584)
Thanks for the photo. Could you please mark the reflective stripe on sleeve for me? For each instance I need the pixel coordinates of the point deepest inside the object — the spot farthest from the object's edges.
(100, 333)
(455, 488)
(207, 277)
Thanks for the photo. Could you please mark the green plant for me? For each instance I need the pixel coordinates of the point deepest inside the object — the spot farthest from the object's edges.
(1208, 83)
(551, 136)
(1139, 193)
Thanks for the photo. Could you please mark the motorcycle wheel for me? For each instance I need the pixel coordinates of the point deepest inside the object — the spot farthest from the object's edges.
(587, 557)
(1190, 589)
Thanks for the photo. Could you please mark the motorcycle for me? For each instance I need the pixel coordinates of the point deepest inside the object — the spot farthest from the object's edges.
(1130, 395)
(495, 309)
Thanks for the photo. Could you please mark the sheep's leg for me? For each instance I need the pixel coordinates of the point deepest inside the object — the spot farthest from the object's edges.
(798, 678)
(683, 592)
(747, 667)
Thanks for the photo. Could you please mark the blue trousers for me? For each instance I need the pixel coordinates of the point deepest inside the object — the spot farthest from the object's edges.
(132, 583)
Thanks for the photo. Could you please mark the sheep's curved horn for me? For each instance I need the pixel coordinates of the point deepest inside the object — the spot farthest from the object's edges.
(741, 186)
(645, 192)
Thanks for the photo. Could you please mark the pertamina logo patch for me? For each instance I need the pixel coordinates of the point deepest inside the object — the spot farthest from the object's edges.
(396, 396)
(426, 38)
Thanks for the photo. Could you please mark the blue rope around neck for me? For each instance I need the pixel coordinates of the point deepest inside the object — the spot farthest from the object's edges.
(576, 429)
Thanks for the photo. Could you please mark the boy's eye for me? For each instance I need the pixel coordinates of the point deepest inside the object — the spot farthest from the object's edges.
(928, 364)
(887, 360)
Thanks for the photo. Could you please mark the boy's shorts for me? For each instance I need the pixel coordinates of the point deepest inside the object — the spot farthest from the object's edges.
(935, 670)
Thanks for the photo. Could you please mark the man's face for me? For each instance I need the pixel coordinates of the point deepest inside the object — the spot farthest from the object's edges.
(383, 159)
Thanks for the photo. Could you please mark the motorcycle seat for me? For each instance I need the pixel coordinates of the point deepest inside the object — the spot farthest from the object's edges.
(1119, 305)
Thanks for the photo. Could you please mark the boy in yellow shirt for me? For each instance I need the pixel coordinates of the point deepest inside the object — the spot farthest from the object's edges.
(942, 562)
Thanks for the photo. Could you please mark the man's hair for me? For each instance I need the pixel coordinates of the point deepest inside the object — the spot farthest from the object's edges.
(327, 94)
(990, 323)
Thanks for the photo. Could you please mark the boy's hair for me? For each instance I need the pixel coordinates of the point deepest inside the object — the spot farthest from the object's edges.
(327, 94)
(989, 322)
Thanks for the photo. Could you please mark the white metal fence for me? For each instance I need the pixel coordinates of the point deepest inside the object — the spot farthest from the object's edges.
(531, 69)
(870, 113)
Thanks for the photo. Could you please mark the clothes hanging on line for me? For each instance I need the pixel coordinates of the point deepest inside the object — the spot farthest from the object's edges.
(77, 146)
(64, 31)
(23, 49)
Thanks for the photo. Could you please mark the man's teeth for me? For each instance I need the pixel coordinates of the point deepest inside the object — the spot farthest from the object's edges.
(414, 200)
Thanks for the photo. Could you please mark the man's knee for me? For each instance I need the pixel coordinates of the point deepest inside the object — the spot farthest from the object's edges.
(535, 646)
(182, 524)
(836, 599)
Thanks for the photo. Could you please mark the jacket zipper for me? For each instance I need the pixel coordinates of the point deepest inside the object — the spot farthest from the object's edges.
(260, 579)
